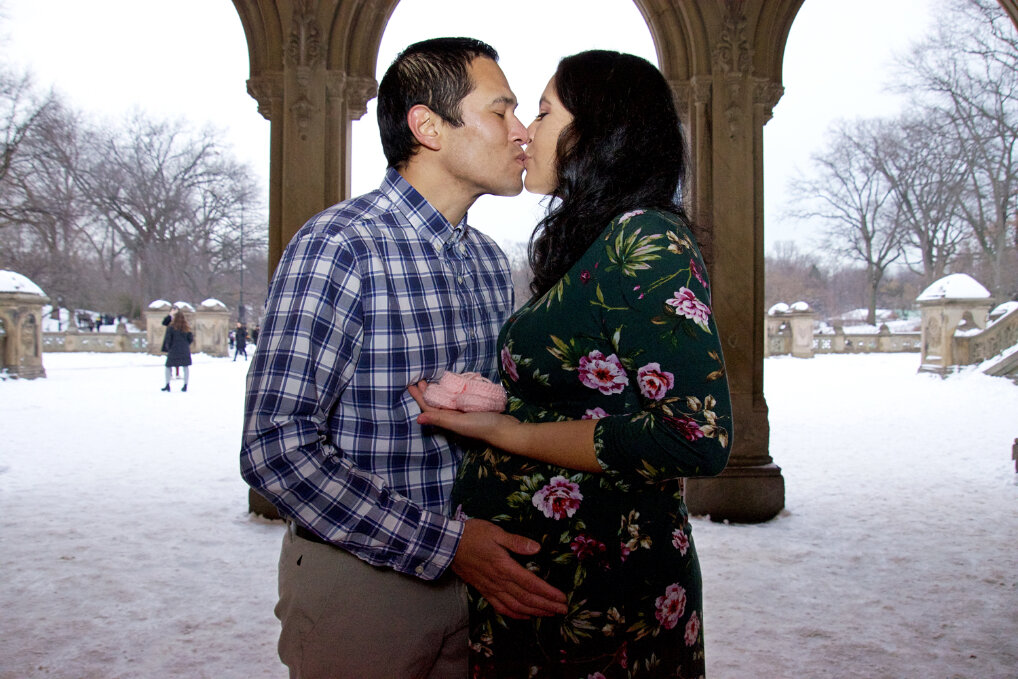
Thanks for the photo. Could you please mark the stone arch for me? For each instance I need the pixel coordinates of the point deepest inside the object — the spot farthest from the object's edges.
(312, 73)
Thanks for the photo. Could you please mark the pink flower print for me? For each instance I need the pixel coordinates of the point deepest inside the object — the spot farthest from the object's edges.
(509, 365)
(692, 629)
(559, 499)
(680, 541)
(697, 270)
(626, 217)
(654, 382)
(670, 606)
(596, 675)
(686, 304)
(689, 429)
(584, 276)
(584, 547)
(604, 374)
(625, 552)
(594, 414)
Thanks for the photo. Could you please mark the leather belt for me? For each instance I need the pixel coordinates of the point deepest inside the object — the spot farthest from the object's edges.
(305, 534)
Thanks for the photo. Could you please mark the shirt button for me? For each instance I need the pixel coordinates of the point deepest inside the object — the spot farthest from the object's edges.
(463, 248)
(419, 570)
(459, 279)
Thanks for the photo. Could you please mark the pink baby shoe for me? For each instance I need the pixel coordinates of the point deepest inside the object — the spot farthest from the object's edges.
(468, 392)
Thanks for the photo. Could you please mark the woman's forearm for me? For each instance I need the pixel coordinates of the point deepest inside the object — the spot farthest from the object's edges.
(567, 444)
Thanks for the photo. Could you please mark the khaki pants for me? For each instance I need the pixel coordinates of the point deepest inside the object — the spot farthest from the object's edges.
(343, 618)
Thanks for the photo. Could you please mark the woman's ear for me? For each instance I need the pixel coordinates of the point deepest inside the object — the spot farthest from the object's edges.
(424, 125)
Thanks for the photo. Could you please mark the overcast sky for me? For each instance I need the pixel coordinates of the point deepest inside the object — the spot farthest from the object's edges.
(109, 56)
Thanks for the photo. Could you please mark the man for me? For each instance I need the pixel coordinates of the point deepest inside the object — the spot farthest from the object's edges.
(369, 297)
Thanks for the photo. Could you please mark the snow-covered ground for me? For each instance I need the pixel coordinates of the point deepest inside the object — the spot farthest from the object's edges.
(126, 549)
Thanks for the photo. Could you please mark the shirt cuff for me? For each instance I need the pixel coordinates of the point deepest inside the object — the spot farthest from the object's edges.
(432, 547)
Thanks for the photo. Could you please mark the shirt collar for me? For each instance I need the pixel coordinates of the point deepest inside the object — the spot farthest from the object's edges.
(425, 219)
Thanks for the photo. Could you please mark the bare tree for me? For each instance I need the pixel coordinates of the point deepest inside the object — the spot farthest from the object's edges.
(794, 275)
(21, 109)
(42, 208)
(852, 198)
(968, 72)
(926, 173)
(173, 198)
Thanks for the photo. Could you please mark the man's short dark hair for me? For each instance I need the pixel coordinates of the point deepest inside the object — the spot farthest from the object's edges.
(433, 73)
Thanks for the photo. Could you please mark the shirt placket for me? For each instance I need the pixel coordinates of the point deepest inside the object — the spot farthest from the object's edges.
(457, 257)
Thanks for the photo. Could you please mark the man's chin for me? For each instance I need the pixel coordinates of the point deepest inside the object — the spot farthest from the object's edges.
(510, 191)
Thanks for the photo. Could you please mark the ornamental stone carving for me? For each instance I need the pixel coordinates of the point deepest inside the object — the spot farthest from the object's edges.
(304, 53)
(360, 90)
(733, 59)
(733, 55)
(304, 48)
(766, 94)
(267, 90)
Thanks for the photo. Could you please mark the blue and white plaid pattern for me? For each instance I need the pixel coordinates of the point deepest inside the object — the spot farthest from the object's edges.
(370, 296)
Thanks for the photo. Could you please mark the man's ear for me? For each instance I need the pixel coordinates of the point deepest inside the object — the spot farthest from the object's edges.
(425, 125)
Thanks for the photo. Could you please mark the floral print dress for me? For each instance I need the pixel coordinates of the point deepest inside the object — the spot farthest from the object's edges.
(627, 336)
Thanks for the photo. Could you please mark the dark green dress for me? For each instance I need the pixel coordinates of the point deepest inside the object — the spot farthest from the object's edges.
(627, 337)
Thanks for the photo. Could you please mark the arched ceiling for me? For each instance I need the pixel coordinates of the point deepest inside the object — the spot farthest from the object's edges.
(679, 29)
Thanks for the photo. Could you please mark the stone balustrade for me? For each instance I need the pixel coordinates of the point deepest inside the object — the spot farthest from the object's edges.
(98, 342)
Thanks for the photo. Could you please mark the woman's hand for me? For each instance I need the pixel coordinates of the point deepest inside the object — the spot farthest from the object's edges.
(491, 428)
(567, 444)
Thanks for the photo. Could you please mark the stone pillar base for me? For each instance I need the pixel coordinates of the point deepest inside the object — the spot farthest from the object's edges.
(29, 372)
(257, 504)
(738, 494)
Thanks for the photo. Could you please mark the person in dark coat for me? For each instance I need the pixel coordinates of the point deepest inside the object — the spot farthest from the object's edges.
(241, 341)
(177, 345)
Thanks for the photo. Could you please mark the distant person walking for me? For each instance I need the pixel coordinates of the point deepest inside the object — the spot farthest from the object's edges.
(241, 341)
(177, 345)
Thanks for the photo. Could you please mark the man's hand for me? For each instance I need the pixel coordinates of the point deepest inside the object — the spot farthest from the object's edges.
(482, 560)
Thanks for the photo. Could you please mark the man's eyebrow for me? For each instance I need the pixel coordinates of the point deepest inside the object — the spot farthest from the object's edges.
(504, 99)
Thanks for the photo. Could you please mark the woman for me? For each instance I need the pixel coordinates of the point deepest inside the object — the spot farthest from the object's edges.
(177, 345)
(616, 387)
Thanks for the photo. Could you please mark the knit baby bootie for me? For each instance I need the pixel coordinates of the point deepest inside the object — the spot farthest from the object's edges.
(468, 392)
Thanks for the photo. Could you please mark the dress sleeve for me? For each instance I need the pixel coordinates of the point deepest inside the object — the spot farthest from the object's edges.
(656, 306)
(311, 343)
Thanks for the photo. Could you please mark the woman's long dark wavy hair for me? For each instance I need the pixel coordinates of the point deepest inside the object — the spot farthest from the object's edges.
(179, 322)
(622, 151)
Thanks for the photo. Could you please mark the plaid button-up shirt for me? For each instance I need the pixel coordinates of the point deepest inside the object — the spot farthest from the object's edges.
(370, 296)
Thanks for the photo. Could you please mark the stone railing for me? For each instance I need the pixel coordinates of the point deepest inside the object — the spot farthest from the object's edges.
(977, 345)
(884, 341)
(99, 342)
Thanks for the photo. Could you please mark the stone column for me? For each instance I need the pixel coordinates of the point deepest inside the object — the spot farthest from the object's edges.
(212, 328)
(942, 306)
(154, 328)
(311, 108)
(727, 152)
(801, 322)
(21, 303)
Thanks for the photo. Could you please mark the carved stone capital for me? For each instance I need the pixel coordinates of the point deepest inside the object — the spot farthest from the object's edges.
(702, 86)
(359, 90)
(681, 92)
(267, 90)
(335, 84)
(766, 94)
